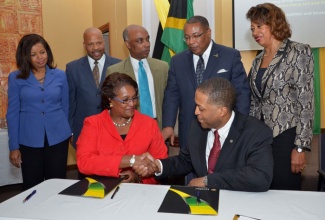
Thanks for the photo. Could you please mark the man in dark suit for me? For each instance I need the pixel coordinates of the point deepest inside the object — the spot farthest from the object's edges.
(137, 40)
(187, 70)
(84, 94)
(226, 149)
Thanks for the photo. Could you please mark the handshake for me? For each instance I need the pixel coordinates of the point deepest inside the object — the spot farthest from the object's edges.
(145, 165)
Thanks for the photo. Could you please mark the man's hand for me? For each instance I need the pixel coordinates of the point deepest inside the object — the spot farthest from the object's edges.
(15, 158)
(168, 132)
(146, 166)
(197, 182)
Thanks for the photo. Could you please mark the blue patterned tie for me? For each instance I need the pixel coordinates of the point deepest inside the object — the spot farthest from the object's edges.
(145, 99)
(199, 70)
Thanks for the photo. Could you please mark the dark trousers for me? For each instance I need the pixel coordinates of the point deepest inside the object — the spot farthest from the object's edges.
(282, 147)
(39, 164)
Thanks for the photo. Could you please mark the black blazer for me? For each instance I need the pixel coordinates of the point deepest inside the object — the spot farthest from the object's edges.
(245, 162)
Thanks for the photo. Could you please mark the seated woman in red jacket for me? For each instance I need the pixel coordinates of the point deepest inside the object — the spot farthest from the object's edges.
(112, 141)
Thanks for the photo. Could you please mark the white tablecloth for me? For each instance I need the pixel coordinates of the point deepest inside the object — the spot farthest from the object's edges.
(9, 174)
(138, 201)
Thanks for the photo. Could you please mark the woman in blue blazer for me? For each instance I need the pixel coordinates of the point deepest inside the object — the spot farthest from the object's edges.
(37, 113)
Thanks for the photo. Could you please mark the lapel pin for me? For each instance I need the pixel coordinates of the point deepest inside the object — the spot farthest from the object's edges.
(231, 141)
(216, 55)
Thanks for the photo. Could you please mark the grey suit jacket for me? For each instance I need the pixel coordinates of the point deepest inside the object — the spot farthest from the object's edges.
(159, 70)
(245, 162)
(287, 97)
(84, 96)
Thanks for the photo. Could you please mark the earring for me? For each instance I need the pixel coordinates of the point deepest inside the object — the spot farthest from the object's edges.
(111, 105)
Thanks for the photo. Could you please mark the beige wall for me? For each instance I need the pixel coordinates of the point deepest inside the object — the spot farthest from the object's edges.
(118, 14)
(223, 27)
(114, 13)
(63, 25)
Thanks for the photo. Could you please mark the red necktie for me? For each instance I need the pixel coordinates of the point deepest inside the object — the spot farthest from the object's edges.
(214, 153)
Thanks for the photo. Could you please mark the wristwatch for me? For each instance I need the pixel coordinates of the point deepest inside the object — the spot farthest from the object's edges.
(300, 149)
(132, 160)
(205, 181)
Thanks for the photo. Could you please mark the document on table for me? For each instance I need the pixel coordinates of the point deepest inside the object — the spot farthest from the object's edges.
(93, 186)
(190, 200)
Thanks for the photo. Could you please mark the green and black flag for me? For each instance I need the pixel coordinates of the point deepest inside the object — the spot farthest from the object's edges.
(172, 36)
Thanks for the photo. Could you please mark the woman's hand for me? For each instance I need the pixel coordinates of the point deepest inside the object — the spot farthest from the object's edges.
(298, 161)
(15, 158)
(130, 177)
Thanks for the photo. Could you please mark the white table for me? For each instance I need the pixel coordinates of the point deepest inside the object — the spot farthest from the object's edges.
(138, 201)
(9, 174)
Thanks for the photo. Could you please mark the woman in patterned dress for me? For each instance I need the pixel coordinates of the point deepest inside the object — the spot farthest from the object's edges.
(281, 82)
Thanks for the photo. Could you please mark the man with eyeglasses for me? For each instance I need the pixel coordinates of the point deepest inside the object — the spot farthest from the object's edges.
(149, 73)
(202, 60)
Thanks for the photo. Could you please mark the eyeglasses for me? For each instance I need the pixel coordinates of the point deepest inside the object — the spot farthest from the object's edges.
(195, 37)
(127, 101)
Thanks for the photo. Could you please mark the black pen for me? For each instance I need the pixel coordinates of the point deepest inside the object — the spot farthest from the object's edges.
(198, 200)
(115, 191)
(29, 196)
(238, 217)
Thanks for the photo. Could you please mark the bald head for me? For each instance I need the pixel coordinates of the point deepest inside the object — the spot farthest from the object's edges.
(137, 40)
(132, 29)
(92, 31)
(94, 43)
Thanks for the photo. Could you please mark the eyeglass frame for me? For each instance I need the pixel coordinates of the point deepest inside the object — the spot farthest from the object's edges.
(127, 101)
(195, 37)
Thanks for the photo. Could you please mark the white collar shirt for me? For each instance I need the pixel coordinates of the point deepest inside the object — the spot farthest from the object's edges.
(101, 63)
(223, 133)
(205, 56)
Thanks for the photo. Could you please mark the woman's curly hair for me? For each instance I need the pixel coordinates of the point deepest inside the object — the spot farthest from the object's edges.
(273, 16)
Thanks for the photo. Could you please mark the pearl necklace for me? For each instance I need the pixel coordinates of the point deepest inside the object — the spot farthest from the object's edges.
(124, 124)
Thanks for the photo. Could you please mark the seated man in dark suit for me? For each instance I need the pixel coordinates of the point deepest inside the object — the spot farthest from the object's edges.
(239, 158)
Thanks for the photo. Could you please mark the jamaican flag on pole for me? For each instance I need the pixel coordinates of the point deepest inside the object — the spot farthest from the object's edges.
(172, 36)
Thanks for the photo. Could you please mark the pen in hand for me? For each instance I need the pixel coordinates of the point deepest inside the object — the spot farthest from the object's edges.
(115, 191)
(29, 196)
